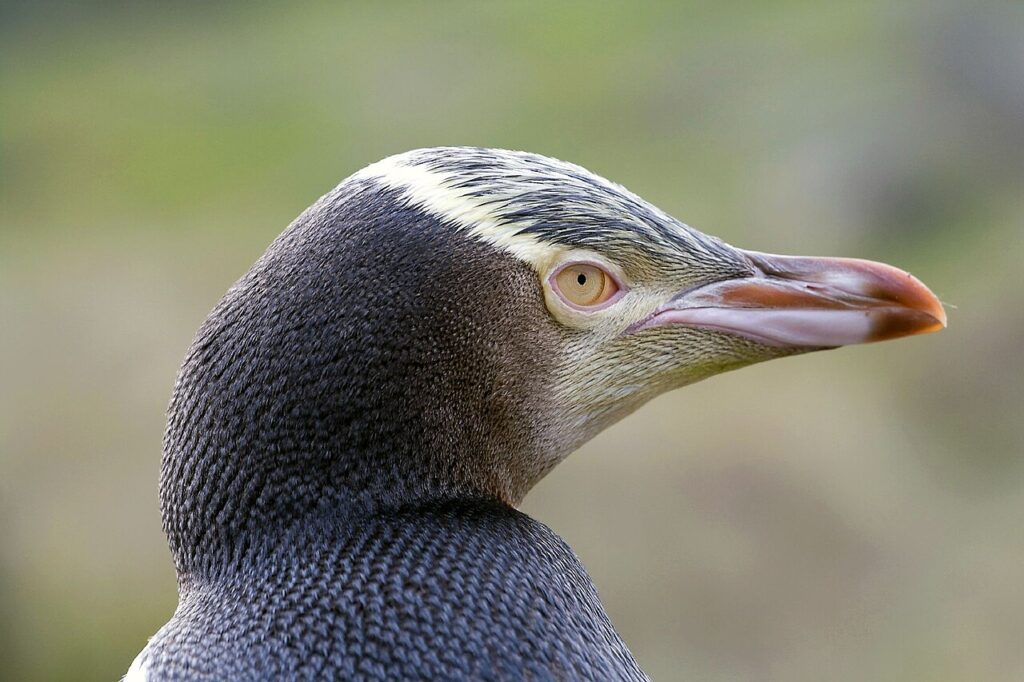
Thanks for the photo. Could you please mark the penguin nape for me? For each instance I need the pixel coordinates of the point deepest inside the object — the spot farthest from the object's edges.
(357, 419)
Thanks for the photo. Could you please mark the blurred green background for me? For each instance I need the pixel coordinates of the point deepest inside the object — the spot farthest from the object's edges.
(852, 515)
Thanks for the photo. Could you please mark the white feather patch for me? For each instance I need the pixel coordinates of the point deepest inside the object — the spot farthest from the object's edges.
(436, 192)
(137, 671)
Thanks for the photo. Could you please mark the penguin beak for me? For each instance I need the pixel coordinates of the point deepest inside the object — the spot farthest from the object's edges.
(802, 302)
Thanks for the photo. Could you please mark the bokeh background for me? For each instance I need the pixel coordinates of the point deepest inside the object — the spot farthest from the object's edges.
(851, 515)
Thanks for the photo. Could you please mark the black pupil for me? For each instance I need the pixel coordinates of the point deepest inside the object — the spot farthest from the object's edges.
(581, 278)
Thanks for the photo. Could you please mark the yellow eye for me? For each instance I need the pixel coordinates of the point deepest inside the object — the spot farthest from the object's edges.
(585, 285)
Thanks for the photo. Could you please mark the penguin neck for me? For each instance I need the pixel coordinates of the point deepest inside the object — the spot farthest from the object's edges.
(307, 393)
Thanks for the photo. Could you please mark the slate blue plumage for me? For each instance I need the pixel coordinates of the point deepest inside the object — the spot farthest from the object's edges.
(325, 482)
(450, 591)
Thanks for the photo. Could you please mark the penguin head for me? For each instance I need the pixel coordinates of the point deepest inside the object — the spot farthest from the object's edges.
(455, 321)
(638, 302)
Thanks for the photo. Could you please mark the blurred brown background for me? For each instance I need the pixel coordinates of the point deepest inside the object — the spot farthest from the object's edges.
(852, 515)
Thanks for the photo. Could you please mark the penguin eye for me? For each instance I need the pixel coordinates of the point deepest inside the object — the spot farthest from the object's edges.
(584, 285)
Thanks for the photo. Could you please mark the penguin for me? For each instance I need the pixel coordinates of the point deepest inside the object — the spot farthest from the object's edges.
(357, 419)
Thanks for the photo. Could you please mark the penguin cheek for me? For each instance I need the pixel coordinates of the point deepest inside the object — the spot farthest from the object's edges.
(682, 356)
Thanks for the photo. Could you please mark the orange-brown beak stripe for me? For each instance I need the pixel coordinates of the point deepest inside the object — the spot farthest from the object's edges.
(810, 302)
